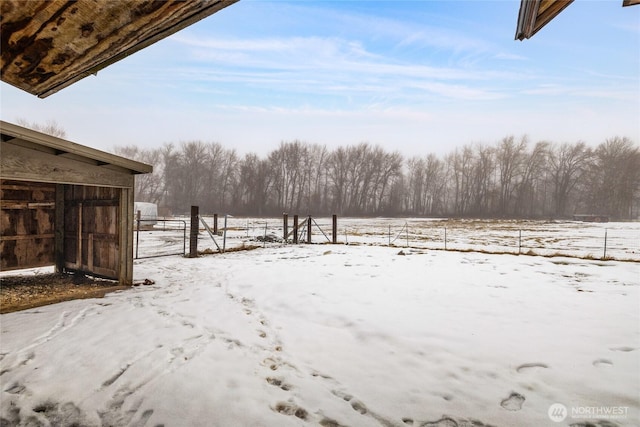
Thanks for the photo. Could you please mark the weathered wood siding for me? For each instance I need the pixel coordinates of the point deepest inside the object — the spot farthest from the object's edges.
(49, 44)
(91, 229)
(18, 162)
(27, 224)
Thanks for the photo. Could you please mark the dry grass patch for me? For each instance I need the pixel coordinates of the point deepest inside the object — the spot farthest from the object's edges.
(23, 292)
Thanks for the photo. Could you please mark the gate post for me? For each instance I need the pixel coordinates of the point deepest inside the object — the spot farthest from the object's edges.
(285, 227)
(334, 229)
(193, 233)
(215, 224)
(309, 229)
(295, 229)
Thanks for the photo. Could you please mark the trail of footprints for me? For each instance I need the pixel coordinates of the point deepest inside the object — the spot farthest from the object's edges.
(275, 378)
(113, 415)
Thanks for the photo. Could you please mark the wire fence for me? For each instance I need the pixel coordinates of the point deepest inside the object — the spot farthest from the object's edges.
(159, 237)
(620, 241)
(603, 241)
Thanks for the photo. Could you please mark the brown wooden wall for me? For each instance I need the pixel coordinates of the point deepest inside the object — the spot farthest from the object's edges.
(85, 222)
(91, 229)
(27, 224)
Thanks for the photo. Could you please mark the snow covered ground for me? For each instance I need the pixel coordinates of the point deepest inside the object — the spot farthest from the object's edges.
(335, 335)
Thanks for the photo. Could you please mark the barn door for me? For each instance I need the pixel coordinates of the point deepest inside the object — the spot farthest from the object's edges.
(91, 230)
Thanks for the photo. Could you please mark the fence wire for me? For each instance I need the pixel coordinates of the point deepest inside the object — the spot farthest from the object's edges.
(618, 241)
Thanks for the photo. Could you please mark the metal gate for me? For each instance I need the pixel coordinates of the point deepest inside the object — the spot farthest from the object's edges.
(160, 237)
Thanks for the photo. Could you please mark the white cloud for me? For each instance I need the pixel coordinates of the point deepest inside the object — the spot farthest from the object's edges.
(510, 56)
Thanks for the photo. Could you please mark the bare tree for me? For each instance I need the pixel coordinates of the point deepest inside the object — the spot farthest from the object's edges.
(255, 180)
(614, 178)
(460, 167)
(483, 183)
(149, 187)
(509, 158)
(566, 165)
(51, 127)
(505, 179)
(337, 167)
(533, 164)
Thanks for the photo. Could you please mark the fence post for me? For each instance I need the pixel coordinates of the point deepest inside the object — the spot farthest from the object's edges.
(334, 229)
(604, 255)
(295, 229)
(309, 229)
(193, 233)
(264, 241)
(285, 227)
(406, 225)
(389, 235)
(224, 235)
(137, 232)
(519, 241)
(215, 224)
(445, 238)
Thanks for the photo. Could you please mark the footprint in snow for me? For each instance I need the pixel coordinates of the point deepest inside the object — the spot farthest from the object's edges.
(115, 376)
(328, 422)
(513, 402)
(16, 388)
(344, 396)
(288, 408)
(357, 405)
(602, 362)
(318, 374)
(447, 421)
(623, 348)
(271, 363)
(277, 382)
(143, 418)
(527, 366)
(442, 422)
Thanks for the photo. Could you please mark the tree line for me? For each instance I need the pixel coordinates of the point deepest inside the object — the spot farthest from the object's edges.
(510, 178)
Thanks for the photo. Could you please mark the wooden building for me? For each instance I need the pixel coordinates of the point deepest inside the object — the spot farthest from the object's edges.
(65, 204)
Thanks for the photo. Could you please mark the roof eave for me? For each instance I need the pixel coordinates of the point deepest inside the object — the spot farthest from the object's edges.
(64, 146)
(535, 14)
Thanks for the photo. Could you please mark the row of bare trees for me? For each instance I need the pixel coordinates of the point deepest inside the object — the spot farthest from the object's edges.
(511, 178)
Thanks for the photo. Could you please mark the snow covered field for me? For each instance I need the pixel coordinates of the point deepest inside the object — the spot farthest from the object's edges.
(335, 335)
(613, 240)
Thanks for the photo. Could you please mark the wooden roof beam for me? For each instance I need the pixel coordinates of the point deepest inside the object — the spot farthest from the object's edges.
(535, 14)
(47, 45)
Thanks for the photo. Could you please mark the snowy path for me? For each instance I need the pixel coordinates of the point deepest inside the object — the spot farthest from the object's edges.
(333, 336)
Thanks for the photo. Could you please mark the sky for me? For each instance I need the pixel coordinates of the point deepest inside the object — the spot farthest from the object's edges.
(419, 77)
